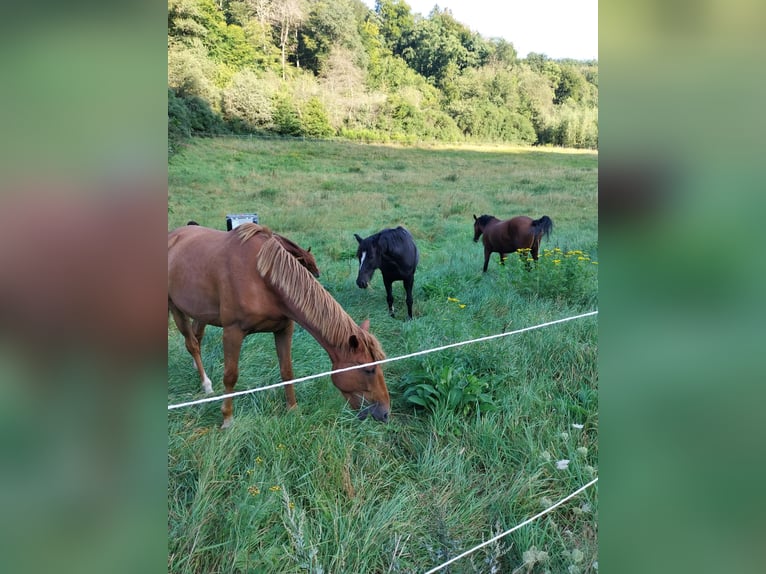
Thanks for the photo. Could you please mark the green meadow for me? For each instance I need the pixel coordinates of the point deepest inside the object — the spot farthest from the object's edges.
(476, 432)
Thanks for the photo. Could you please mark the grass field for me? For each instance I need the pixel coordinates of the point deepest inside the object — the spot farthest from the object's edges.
(316, 490)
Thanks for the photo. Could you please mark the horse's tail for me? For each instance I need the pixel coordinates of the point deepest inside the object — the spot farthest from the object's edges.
(542, 226)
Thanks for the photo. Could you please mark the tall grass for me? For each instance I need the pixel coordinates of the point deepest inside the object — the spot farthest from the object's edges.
(315, 489)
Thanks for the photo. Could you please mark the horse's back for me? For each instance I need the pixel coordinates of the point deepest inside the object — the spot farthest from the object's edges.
(209, 270)
(400, 251)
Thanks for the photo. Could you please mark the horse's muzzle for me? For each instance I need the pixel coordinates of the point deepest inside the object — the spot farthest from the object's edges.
(378, 412)
(361, 283)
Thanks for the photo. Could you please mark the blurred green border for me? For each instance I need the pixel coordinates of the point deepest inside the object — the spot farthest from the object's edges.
(681, 278)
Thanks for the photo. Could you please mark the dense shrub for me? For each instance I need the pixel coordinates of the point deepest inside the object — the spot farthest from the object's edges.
(314, 120)
(286, 119)
(248, 101)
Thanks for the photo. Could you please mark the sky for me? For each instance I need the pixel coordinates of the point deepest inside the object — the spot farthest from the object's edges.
(556, 28)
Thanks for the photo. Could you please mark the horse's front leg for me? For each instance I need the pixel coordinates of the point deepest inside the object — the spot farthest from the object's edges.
(487, 253)
(535, 248)
(232, 345)
(284, 340)
(408, 283)
(389, 295)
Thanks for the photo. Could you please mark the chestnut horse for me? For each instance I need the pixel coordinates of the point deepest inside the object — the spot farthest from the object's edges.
(246, 282)
(507, 236)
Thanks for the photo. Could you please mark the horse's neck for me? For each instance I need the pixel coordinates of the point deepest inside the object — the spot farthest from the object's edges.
(330, 337)
(304, 299)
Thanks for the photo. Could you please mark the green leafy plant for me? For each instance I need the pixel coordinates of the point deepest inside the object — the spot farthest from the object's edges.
(557, 274)
(448, 389)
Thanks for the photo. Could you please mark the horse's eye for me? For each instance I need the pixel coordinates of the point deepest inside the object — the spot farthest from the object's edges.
(370, 371)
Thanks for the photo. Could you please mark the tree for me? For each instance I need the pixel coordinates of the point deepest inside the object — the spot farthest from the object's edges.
(287, 16)
(331, 24)
(571, 85)
(439, 41)
(396, 23)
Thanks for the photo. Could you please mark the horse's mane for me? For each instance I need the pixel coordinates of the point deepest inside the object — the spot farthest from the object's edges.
(283, 272)
(484, 219)
(247, 230)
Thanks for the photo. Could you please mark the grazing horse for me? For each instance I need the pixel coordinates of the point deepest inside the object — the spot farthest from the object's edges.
(394, 252)
(246, 282)
(507, 236)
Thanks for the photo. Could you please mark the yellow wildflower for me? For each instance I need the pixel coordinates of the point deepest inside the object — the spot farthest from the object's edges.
(453, 300)
(291, 505)
(556, 261)
(250, 472)
(582, 258)
(258, 460)
(280, 446)
(275, 488)
(594, 262)
(461, 306)
(254, 490)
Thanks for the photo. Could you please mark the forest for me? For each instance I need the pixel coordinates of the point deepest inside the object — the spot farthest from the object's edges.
(336, 68)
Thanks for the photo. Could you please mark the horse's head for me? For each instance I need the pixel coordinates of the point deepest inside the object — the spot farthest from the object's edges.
(478, 226)
(369, 257)
(364, 388)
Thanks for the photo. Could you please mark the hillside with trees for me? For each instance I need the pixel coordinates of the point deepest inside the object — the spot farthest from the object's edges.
(335, 68)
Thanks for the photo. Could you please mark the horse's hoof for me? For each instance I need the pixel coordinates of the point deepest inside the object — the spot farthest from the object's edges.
(227, 423)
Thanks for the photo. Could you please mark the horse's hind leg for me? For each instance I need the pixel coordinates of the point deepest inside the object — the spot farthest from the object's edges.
(192, 345)
(408, 283)
(283, 340)
(198, 328)
(389, 296)
(232, 345)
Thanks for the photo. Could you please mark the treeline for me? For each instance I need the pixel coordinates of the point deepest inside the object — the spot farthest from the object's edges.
(321, 68)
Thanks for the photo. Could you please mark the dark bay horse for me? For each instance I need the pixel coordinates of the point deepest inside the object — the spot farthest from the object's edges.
(394, 252)
(507, 236)
(246, 282)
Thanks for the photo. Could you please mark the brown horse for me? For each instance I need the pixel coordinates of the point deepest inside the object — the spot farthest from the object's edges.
(303, 256)
(507, 236)
(246, 282)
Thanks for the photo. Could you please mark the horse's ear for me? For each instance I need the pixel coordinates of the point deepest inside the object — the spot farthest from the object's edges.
(353, 342)
(359, 239)
(365, 325)
(308, 250)
(474, 217)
